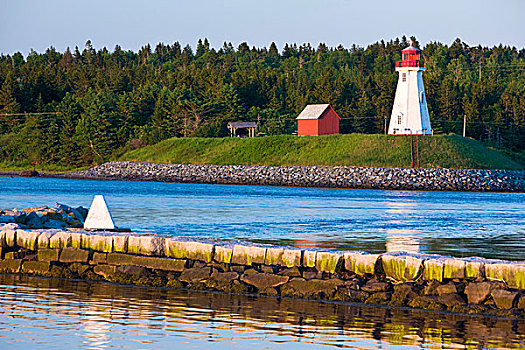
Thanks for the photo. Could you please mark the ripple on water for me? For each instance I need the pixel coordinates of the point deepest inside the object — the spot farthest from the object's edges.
(460, 224)
(46, 313)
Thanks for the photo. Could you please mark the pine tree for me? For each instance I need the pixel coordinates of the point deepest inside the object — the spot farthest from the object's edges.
(8, 104)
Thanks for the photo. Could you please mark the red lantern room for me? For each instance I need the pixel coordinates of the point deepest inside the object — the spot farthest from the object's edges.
(411, 57)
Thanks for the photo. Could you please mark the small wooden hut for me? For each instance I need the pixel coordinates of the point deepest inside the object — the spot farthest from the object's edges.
(319, 119)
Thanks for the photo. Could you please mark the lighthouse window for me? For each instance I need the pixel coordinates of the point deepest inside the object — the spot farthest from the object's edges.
(403, 77)
(399, 117)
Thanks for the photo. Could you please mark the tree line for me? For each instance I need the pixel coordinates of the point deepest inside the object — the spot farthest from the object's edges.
(83, 107)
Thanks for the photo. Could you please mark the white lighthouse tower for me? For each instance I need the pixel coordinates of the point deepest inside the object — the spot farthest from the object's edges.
(410, 112)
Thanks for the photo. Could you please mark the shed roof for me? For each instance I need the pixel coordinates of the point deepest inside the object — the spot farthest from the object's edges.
(313, 111)
(242, 125)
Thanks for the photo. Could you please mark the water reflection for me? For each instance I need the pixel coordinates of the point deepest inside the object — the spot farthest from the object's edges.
(91, 315)
(399, 238)
(402, 241)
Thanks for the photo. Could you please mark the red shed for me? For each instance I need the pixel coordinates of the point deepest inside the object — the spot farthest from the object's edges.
(318, 120)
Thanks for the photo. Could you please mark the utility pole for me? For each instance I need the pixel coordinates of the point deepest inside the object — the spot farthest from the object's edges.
(464, 125)
(417, 151)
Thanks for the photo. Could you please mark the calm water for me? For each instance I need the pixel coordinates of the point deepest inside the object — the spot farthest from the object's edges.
(460, 224)
(44, 313)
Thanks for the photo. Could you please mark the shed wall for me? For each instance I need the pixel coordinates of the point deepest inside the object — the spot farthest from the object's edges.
(329, 123)
(307, 127)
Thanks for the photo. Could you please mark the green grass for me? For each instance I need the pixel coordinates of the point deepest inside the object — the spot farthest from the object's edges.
(442, 151)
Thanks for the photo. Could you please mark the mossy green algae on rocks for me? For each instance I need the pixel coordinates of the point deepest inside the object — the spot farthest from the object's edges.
(395, 279)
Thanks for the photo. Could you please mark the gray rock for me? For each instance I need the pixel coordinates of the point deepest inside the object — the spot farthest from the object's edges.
(32, 220)
(7, 219)
(345, 177)
(52, 223)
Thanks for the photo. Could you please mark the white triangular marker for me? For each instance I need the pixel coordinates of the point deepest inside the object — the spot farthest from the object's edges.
(98, 216)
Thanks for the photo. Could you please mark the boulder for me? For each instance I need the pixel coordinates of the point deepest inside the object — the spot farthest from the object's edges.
(224, 276)
(44, 239)
(248, 255)
(223, 254)
(513, 274)
(433, 269)
(55, 224)
(120, 243)
(166, 264)
(71, 255)
(402, 293)
(97, 242)
(329, 261)
(189, 250)
(9, 237)
(361, 263)
(195, 275)
(504, 298)
(449, 288)
(48, 254)
(291, 257)
(290, 272)
(474, 267)
(29, 173)
(106, 271)
(378, 298)
(521, 302)
(146, 245)
(314, 288)
(373, 286)
(478, 292)
(27, 239)
(309, 258)
(7, 219)
(264, 280)
(222, 281)
(35, 267)
(274, 256)
(402, 267)
(10, 265)
(134, 271)
(450, 299)
(32, 220)
(350, 295)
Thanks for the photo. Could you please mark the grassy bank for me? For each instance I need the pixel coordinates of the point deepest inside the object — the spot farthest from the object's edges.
(46, 168)
(443, 151)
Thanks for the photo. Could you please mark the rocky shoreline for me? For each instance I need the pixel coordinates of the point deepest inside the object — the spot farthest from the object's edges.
(311, 176)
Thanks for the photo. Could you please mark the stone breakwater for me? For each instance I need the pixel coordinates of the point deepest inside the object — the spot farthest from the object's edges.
(471, 285)
(313, 176)
(61, 217)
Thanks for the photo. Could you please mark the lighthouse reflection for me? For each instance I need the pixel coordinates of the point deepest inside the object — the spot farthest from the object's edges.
(399, 238)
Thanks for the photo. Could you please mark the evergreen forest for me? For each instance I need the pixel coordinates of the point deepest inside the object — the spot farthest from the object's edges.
(85, 106)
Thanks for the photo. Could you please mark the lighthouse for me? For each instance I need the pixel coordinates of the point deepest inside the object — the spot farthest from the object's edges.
(410, 111)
